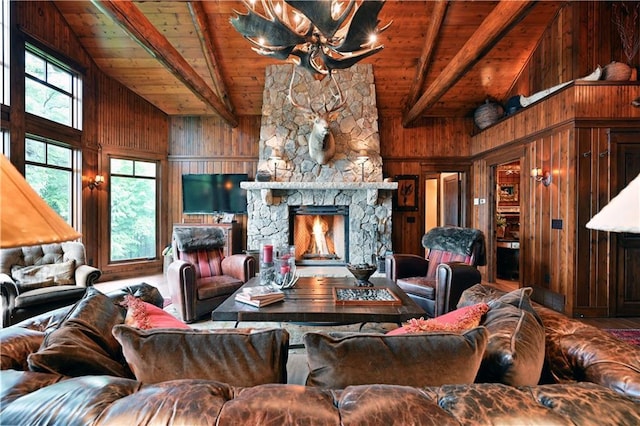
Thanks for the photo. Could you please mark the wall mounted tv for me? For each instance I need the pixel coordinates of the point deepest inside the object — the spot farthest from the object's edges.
(214, 193)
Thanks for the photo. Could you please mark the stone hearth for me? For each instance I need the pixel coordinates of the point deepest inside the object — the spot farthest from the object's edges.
(303, 182)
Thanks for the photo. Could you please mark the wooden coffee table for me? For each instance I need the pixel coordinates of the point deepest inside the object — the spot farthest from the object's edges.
(312, 301)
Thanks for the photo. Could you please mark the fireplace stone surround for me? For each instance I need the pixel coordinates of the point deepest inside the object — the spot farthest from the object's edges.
(344, 181)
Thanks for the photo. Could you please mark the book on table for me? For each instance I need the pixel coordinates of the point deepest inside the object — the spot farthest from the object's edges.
(261, 292)
(263, 300)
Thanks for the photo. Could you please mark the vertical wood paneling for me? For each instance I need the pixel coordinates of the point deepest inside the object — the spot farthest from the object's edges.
(209, 145)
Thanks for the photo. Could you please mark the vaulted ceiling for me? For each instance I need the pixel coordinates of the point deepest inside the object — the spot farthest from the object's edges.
(440, 58)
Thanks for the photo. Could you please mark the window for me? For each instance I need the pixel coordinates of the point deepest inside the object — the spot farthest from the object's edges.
(5, 52)
(133, 209)
(49, 170)
(52, 89)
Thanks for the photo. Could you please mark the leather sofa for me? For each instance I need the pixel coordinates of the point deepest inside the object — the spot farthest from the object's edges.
(37, 279)
(592, 378)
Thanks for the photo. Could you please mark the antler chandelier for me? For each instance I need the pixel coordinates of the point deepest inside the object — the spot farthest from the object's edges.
(319, 36)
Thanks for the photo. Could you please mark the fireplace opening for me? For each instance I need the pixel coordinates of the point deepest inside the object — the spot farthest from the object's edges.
(320, 234)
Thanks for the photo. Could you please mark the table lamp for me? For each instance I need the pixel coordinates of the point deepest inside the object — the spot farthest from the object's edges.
(26, 219)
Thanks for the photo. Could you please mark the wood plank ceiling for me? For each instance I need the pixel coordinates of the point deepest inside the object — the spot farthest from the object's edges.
(441, 59)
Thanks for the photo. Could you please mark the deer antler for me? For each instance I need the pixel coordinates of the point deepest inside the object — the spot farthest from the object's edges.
(341, 100)
(308, 109)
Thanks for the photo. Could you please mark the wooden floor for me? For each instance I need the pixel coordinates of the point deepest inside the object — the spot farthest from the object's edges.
(159, 281)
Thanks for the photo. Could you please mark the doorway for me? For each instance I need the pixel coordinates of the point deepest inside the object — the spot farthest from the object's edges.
(443, 200)
(507, 222)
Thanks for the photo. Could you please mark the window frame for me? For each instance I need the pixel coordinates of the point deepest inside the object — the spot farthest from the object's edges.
(158, 214)
(75, 209)
(77, 85)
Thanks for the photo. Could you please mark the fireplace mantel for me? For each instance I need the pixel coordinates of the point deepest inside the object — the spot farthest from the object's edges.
(266, 188)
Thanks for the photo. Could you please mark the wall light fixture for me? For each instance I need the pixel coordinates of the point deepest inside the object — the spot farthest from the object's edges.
(96, 182)
(362, 158)
(540, 175)
(276, 158)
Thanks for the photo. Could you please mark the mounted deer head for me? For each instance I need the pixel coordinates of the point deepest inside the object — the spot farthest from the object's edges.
(322, 145)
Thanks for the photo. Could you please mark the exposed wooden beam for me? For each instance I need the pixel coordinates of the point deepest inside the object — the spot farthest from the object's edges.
(493, 28)
(435, 23)
(138, 27)
(203, 29)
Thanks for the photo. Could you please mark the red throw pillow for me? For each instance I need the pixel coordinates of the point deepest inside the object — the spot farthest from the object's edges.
(143, 315)
(456, 321)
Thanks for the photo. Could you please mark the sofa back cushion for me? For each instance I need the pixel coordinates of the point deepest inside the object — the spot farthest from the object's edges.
(236, 357)
(338, 360)
(47, 275)
(82, 344)
(515, 351)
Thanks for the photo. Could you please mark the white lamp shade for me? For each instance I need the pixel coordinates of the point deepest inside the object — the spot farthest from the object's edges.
(26, 219)
(622, 214)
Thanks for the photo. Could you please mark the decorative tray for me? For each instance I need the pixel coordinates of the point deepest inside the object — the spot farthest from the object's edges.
(364, 296)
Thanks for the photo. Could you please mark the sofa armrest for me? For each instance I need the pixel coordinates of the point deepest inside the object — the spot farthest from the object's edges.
(451, 280)
(86, 275)
(406, 265)
(240, 266)
(8, 294)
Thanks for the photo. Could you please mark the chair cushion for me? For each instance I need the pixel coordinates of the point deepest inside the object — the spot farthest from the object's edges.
(45, 295)
(216, 286)
(38, 276)
(83, 344)
(207, 263)
(236, 357)
(422, 286)
(338, 360)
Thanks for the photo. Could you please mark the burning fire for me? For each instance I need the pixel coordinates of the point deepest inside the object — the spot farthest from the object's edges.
(319, 230)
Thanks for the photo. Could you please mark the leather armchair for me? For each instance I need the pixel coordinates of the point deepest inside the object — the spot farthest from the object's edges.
(45, 289)
(435, 282)
(201, 277)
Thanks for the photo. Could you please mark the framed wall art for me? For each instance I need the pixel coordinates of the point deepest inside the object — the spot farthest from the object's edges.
(406, 197)
(508, 193)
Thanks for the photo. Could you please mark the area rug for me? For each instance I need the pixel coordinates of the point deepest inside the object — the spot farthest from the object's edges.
(629, 335)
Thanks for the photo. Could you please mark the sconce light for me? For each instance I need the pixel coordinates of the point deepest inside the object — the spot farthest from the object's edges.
(275, 157)
(362, 158)
(96, 182)
(541, 176)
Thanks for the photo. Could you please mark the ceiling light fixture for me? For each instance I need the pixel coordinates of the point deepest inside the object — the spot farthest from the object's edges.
(319, 36)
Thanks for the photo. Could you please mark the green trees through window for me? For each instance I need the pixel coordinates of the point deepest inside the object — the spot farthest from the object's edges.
(133, 209)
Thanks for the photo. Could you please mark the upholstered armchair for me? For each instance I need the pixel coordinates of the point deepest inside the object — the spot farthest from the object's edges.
(201, 277)
(435, 282)
(37, 279)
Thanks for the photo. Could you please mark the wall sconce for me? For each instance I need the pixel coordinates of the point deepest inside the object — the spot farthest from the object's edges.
(275, 157)
(541, 176)
(96, 182)
(362, 158)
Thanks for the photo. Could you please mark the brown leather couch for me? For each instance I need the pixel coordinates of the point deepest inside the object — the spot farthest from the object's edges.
(595, 381)
(37, 279)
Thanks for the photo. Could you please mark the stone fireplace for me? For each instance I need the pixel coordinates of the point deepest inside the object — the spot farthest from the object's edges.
(359, 201)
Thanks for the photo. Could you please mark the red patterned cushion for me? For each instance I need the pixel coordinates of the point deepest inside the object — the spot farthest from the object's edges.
(455, 321)
(145, 316)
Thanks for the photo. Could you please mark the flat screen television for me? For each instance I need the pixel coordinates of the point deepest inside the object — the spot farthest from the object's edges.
(214, 193)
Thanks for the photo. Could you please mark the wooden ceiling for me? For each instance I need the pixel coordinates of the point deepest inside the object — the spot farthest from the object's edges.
(440, 58)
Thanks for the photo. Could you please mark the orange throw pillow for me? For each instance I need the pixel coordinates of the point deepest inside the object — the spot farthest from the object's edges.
(143, 315)
(456, 321)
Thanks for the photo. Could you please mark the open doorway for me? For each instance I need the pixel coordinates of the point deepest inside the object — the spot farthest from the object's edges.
(508, 223)
(444, 199)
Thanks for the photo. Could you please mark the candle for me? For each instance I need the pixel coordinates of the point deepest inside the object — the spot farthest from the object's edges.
(267, 254)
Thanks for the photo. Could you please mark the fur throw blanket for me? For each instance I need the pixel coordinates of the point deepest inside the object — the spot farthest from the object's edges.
(453, 239)
(189, 238)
